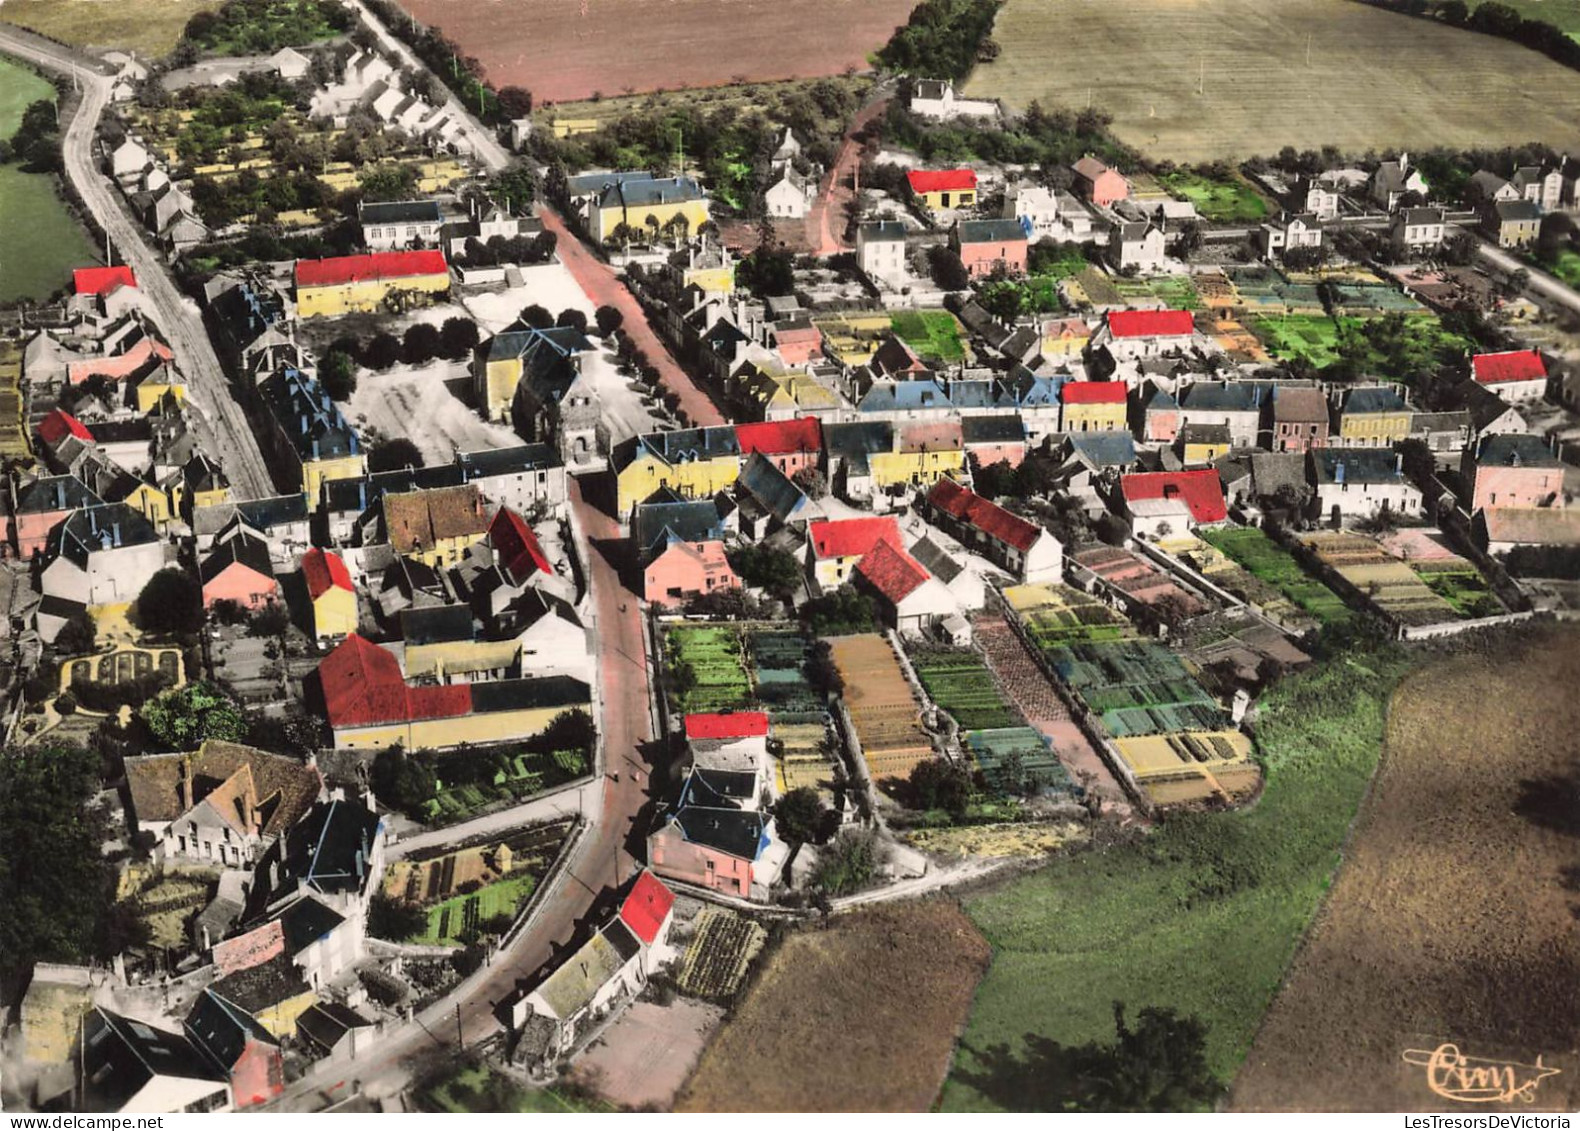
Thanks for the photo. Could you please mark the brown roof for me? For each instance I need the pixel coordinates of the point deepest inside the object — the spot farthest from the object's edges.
(224, 773)
(1296, 405)
(419, 520)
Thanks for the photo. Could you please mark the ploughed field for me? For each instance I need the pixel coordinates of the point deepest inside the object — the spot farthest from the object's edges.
(1375, 79)
(1452, 919)
(858, 1016)
(567, 50)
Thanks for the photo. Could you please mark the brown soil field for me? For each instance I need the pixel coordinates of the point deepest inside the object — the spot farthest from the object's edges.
(1453, 917)
(1374, 78)
(564, 50)
(860, 1016)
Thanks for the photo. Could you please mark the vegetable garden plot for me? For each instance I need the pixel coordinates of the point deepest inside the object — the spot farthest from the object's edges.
(722, 946)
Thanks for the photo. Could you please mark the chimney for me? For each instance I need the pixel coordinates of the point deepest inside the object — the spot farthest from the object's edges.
(1338, 472)
(1398, 463)
(115, 530)
(184, 786)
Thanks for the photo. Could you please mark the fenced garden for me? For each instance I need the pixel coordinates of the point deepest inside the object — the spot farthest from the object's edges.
(958, 681)
(1267, 561)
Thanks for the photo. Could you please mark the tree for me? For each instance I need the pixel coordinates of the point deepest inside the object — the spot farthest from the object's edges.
(458, 338)
(183, 718)
(1004, 300)
(394, 919)
(848, 864)
(404, 781)
(421, 344)
(392, 455)
(812, 481)
(77, 636)
(937, 784)
(572, 318)
(53, 879)
(947, 269)
(338, 375)
(382, 352)
(1454, 12)
(839, 613)
(821, 670)
(1160, 1065)
(171, 604)
(608, 319)
(515, 102)
(799, 815)
(994, 481)
(768, 271)
(537, 317)
(762, 567)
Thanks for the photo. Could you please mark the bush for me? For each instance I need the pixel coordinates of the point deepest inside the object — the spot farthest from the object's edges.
(421, 344)
(572, 317)
(77, 636)
(394, 919)
(382, 352)
(608, 320)
(458, 338)
(537, 317)
(848, 864)
(337, 373)
(840, 613)
(186, 717)
(392, 455)
(403, 781)
(66, 703)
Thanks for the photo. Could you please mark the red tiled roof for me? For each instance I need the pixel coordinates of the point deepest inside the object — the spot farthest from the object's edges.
(59, 424)
(99, 280)
(781, 437)
(646, 907)
(847, 537)
(892, 572)
(941, 180)
(1202, 491)
(736, 724)
(323, 570)
(359, 268)
(1093, 392)
(1514, 365)
(363, 686)
(984, 514)
(516, 547)
(1151, 323)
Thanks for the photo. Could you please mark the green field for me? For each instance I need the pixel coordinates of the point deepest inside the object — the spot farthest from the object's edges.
(1202, 916)
(707, 669)
(1290, 336)
(40, 242)
(933, 334)
(149, 27)
(959, 682)
(1466, 590)
(1564, 265)
(1267, 561)
(1201, 80)
(1221, 201)
(449, 919)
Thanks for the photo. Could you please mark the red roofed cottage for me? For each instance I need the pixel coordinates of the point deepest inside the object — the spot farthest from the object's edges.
(792, 445)
(908, 598)
(1164, 501)
(362, 282)
(1515, 375)
(646, 910)
(834, 547)
(101, 280)
(944, 188)
(1023, 548)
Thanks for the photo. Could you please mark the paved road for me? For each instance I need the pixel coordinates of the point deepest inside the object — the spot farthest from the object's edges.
(484, 144)
(604, 288)
(1541, 284)
(825, 220)
(600, 861)
(221, 425)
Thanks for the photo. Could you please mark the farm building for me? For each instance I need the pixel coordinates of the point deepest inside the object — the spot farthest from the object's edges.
(330, 287)
(1028, 552)
(1160, 501)
(1501, 529)
(834, 547)
(908, 598)
(1098, 183)
(1515, 375)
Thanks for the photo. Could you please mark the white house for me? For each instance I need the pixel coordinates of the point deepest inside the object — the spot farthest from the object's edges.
(1418, 229)
(289, 63)
(396, 224)
(935, 98)
(1318, 196)
(1288, 232)
(1356, 483)
(1027, 551)
(880, 252)
(1037, 208)
(1392, 180)
(1136, 244)
(789, 197)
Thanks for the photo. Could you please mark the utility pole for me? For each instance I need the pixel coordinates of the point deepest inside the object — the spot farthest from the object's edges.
(460, 1041)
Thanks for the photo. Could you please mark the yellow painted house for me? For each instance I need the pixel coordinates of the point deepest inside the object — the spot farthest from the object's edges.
(1064, 337)
(161, 383)
(899, 469)
(1376, 417)
(1093, 406)
(549, 356)
(693, 463)
(349, 283)
(646, 204)
(437, 526)
(1204, 443)
(152, 503)
(330, 590)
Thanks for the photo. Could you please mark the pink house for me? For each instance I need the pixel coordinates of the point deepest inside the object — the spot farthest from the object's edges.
(791, 445)
(994, 439)
(1513, 470)
(40, 506)
(687, 569)
(120, 366)
(239, 570)
(1098, 183)
(986, 246)
(798, 345)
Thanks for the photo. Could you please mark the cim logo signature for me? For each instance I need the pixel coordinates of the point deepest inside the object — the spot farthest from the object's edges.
(1478, 1080)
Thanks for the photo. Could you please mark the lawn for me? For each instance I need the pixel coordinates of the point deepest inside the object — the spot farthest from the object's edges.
(149, 27)
(1565, 265)
(1220, 201)
(42, 240)
(528, 773)
(933, 334)
(1198, 80)
(1466, 590)
(1202, 916)
(708, 669)
(1314, 337)
(1267, 561)
(959, 682)
(449, 919)
(858, 1016)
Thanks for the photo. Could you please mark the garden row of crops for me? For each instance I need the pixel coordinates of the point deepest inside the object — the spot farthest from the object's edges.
(450, 920)
(721, 947)
(709, 668)
(1269, 562)
(1058, 614)
(1017, 760)
(1136, 687)
(958, 680)
(779, 662)
(527, 774)
(1393, 587)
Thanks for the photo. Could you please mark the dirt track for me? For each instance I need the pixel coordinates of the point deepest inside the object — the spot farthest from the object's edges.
(1451, 918)
(566, 50)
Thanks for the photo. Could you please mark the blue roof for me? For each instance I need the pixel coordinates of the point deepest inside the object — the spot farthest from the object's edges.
(1230, 396)
(1356, 465)
(308, 416)
(1105, 449)
(658, 523)
(1380, 398)
(889, 396)
(763, 480)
